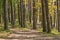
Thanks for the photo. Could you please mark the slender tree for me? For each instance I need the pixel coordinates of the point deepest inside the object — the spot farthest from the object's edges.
(22, 11)
(30, 10)
(34, 15)
(58, 14)
(19, 14)
(9, 14)
(12, 14)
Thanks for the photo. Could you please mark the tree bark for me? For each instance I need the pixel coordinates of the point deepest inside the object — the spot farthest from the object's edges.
(47, 17)
(22, 11)
(5, 14)
(43, 16)
(12, 14)
(34, 15)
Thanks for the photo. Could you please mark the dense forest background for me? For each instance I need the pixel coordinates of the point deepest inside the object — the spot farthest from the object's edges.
(33, 14)
(42, 15)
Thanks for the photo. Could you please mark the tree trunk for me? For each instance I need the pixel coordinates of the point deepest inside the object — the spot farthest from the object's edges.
(30, 10)
(43, 16)
(22, 11)
(34, 15)
(5, 14)
(47, 17)
(19, 14)
(12, 14)
(58, 14)
(9, 14)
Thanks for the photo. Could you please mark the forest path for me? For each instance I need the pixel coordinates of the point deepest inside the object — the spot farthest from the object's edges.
(28, 35)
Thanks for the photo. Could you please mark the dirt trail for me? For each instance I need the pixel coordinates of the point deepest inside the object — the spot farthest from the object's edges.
(28, 35)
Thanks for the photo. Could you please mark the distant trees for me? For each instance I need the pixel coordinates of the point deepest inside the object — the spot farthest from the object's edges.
(14, 12)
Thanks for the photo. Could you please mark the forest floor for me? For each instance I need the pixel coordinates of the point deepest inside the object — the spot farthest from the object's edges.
(29, 35)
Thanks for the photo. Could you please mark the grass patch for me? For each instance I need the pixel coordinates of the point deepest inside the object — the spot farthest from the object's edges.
(39, 29)
(5, 34)
(54, 32)
(25, 29)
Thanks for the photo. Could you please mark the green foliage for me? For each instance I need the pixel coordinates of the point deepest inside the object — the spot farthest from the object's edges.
(55, 31)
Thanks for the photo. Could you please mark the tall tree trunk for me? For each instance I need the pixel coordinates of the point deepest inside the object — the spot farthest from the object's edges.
(30, 10)
(38, 10)
(5, 14)
(34, 15)
(12, 14)
(15, 14)
(58, 14)
(47, 17)
(43, 16)
(22, 11)
(19, 14)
